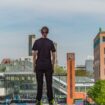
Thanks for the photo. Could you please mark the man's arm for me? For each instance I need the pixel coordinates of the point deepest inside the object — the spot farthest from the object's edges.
(34, 53)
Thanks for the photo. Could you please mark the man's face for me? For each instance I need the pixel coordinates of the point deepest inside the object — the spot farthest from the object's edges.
(44, 32)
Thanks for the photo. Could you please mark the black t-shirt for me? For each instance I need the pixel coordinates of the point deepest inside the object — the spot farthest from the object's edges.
(44, 46)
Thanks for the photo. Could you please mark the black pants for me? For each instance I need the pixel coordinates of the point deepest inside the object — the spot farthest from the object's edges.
(39, 77)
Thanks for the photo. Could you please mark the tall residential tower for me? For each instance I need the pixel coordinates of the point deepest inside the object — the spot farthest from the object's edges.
(31, 41)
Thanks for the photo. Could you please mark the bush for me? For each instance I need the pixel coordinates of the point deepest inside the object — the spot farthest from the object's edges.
(97, 92)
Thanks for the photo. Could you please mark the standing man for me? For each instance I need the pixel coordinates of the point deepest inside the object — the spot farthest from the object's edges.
(43, 63)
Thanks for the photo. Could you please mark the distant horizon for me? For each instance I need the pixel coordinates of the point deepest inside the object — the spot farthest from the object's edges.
(88, 57)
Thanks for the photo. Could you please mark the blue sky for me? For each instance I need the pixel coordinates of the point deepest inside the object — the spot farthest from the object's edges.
(73, 25)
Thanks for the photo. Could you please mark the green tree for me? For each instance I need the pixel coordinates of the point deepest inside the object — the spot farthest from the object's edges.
(97, 92)
(2, 68)
(59, 70)
(80, 73)
(84, 73)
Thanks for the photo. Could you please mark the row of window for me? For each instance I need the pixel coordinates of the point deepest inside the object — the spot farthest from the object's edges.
(104, 53)
(82, 89)
(97, 41)
(19, 78)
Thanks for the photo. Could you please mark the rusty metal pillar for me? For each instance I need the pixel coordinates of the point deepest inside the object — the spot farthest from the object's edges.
(70, 78)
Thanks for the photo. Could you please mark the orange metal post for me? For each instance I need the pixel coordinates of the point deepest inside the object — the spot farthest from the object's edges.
(70, 78)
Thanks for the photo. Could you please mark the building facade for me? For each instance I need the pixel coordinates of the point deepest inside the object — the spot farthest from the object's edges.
(80, 67)
(31, 40)
(89, 65)
(99, 56)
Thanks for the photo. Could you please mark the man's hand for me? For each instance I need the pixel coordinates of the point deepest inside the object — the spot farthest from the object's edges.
(53, 67)
(34, 67)
(53, 60)
(34, 53)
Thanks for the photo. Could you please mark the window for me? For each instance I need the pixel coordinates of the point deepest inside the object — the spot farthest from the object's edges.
(104, 71)
(104, 39)
(96, 43)
(104, 60)
(104, 50)
(99, 70)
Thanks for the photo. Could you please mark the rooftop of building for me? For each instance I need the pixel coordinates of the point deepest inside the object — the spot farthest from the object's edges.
(101, 31)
